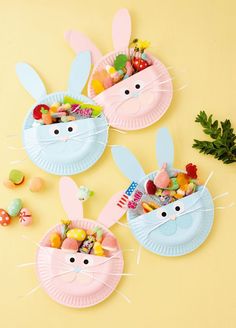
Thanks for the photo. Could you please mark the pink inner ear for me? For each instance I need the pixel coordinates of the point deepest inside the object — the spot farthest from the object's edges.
(121, 29)
(112, 212)
(70, 202)
(79, 42)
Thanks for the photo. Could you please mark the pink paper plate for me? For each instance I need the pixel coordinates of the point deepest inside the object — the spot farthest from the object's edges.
(62, 278)
(140, 107)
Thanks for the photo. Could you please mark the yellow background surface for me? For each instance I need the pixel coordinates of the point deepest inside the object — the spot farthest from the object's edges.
(195, 38)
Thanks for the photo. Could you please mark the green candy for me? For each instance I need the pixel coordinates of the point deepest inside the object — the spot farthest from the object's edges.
(15, 207)
(174, 183)
(120, 62)
(16, 176)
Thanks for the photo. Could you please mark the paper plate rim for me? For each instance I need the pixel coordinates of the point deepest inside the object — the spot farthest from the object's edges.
(121, 263)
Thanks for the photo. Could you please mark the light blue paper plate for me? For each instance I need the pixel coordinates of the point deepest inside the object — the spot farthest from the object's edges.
(178, 237)
(177, 231)
(84, 147)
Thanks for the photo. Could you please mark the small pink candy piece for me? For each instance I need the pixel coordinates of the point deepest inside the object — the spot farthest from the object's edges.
(109, 243)
(25, 217)
(70, 245)
(162, 179)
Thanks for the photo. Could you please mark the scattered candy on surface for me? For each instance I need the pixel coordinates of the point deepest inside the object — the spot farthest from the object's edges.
(78, 234)
(123, 67)
(55, 240)
(70, 245)
(5, 218)
(36, 184)
(17, 177)
(14, 207)
(25, 217)
(9, 184)
(84, 193)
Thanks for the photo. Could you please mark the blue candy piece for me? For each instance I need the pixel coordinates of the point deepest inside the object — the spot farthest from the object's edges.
(14, 207)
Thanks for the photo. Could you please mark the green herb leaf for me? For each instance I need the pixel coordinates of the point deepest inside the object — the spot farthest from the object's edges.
(222, 146)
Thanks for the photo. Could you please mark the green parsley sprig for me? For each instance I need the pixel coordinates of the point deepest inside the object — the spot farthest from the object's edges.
(222, 146)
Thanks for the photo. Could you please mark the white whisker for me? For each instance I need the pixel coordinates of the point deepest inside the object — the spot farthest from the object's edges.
(109, 286)
(23, 265)
(139, 254)
(221, 195)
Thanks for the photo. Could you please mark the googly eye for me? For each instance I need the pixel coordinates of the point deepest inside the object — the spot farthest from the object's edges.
(137, 86)
(163, 214)
(70, 258)
(87, 261)
(127, 92)
(72, 128)
(54, 130)
(179, 207)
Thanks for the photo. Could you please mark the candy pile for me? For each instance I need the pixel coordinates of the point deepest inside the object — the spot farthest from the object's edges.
(75, 240)
(123, 67)
(17, 178)
(70, 110)
(164, 189)
(14, 209)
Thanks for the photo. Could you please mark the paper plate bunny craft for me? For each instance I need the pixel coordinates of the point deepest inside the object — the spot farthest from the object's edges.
(165, 220)
(77, 270)
(138, 100)
(64, 133)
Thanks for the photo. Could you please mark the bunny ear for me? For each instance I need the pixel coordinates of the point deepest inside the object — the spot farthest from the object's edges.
(79, 42)
(68, 194)
(31, 81)
(121, 29)
(164, 148)
(127, 163)
(111, 213)
(79, 73)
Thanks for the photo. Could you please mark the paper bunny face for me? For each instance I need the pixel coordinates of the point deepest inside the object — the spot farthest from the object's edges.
(63, 148)
(135, 102)
(174, 229)
(77, 279)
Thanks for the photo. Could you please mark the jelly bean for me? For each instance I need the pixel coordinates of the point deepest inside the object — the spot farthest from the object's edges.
(5, 218)
(70, 245)
(78, 234)
(149, 206)
(55, 240)
(97, 249)
(25, 217)
(36, 184)
(14, 207)
(16, 177)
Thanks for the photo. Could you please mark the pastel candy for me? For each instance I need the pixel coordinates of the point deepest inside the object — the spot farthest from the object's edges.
(14, 207)
(78, 234)
(9, 184)
(5, 218)
(36, 184)
(70, 245)
(162, 179)
(25, 217)
(109, 243)
(16, 176)
(55, 240)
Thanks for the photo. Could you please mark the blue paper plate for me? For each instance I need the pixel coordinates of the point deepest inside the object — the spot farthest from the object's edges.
(178, 237)
(85, 144)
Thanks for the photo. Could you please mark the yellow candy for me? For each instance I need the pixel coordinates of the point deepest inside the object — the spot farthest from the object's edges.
(53, 107)
(97, 249)
(78, 234)
(55, 240)
(97, 86)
